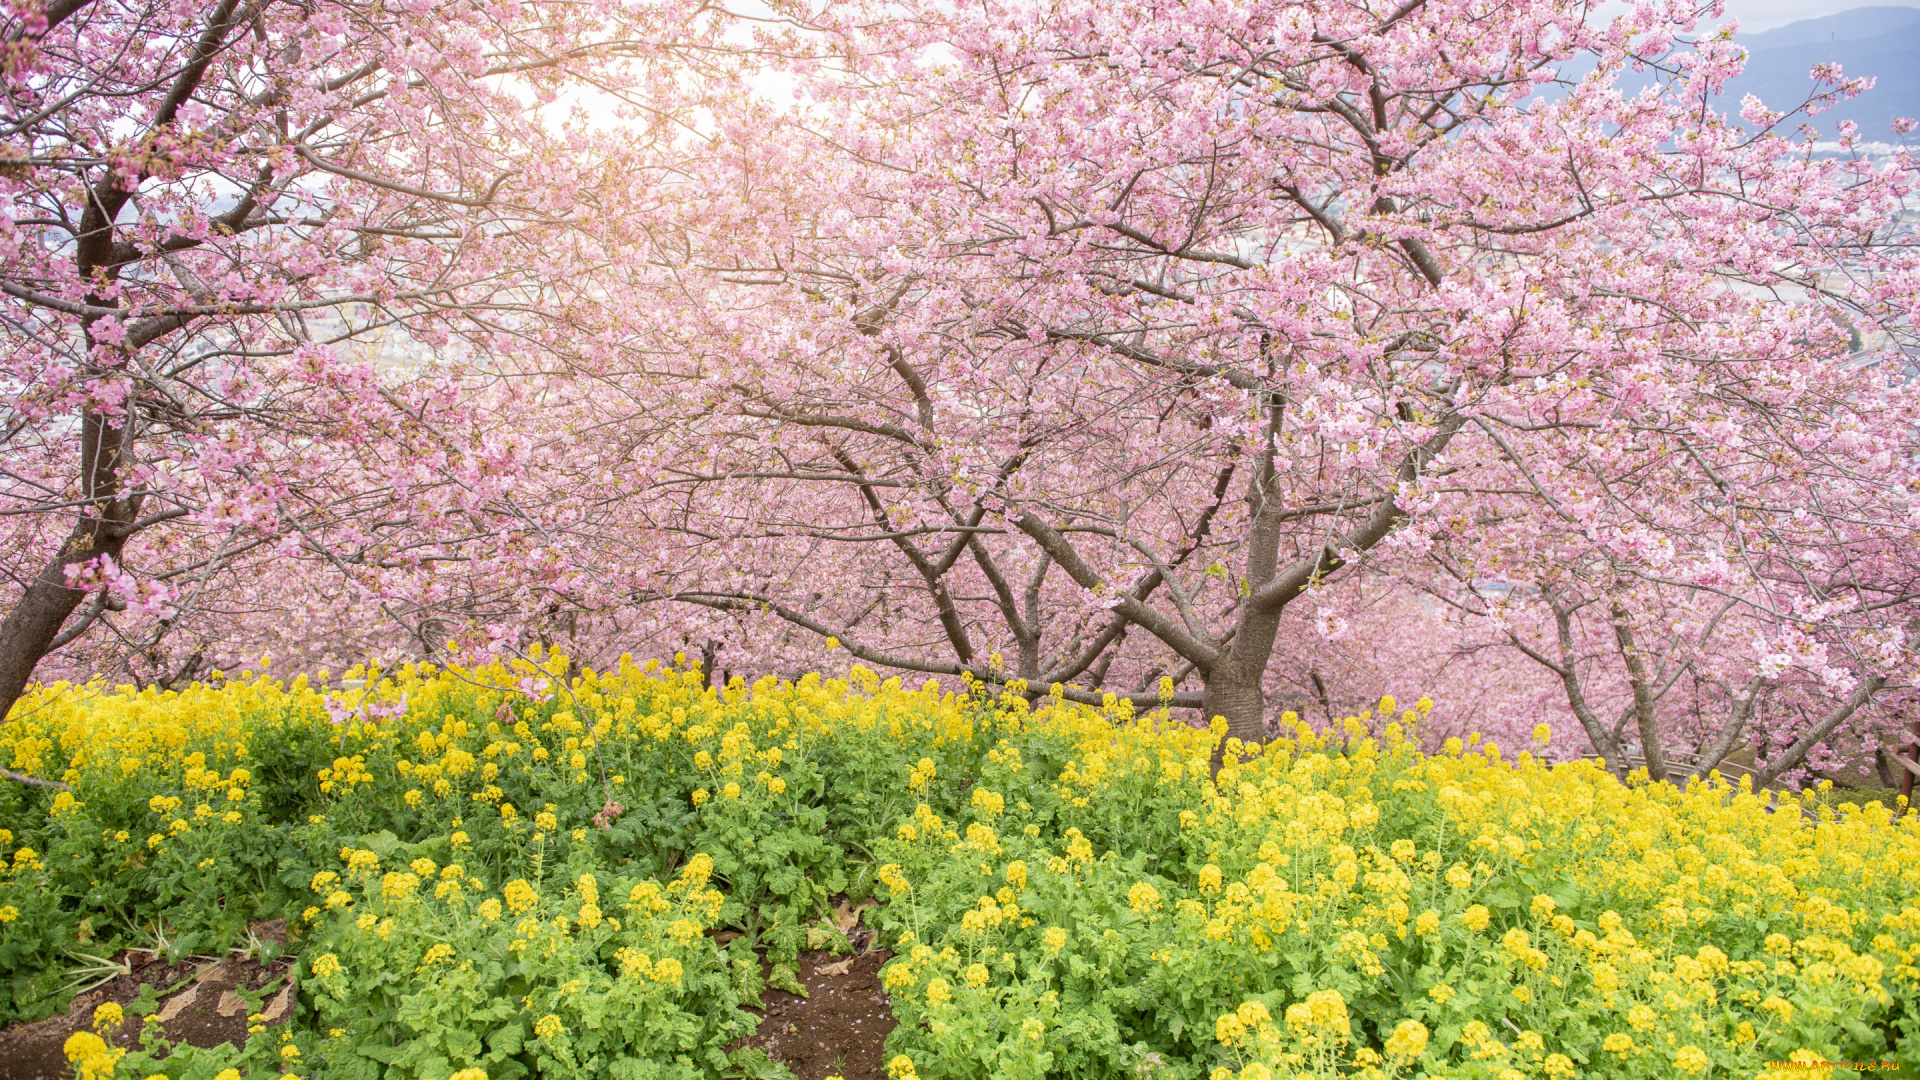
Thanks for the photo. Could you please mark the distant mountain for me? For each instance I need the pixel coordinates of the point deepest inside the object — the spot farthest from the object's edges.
(1855, 24)
(1880, 41)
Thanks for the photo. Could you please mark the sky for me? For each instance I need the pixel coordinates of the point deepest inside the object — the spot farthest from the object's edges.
(1757, 15)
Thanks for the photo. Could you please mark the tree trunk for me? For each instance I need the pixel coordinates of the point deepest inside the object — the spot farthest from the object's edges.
(31, 627)
(36, 619)
(1906, 771)
(1646, 721)
(1233, 686)
(1243, 706)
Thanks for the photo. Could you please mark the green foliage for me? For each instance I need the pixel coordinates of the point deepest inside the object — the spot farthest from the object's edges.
(1068, 892)
(420, 976)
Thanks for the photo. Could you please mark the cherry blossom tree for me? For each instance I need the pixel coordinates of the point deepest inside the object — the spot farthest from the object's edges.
(1232, 358)
(1757, 626)
(1084, 345)
(274, 276)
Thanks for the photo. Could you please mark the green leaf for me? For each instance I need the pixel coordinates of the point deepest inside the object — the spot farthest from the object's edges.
(784, 881)
(379, 1052)
(382, 843)
(507, 1041)
(784, 977)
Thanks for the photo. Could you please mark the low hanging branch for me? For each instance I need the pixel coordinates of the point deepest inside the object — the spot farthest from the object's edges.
(34, 780)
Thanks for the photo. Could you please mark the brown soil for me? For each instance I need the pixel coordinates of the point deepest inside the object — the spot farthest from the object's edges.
(204, 1008)
(839, 1028)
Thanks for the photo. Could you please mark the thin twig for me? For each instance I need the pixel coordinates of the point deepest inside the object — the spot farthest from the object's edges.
(34, 780)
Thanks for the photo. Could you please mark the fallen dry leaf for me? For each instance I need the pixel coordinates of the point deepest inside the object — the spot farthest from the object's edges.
(277, 1008)
(846, 917)
(178, 1003)
(214, 971)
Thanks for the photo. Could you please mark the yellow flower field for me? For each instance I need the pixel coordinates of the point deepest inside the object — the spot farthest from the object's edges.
(504, 872)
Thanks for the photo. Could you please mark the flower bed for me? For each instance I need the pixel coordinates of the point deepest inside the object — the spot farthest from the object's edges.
(480, 880)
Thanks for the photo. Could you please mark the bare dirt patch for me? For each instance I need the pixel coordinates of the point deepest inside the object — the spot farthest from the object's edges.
(840, 1028)
(201, 1001)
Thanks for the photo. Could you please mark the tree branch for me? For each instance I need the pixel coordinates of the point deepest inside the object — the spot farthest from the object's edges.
(1796, 752)
(1056, 545)
(34, 780)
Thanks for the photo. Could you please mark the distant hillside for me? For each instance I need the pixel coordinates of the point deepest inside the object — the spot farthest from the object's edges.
(1880, 41)
(1855, 24)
